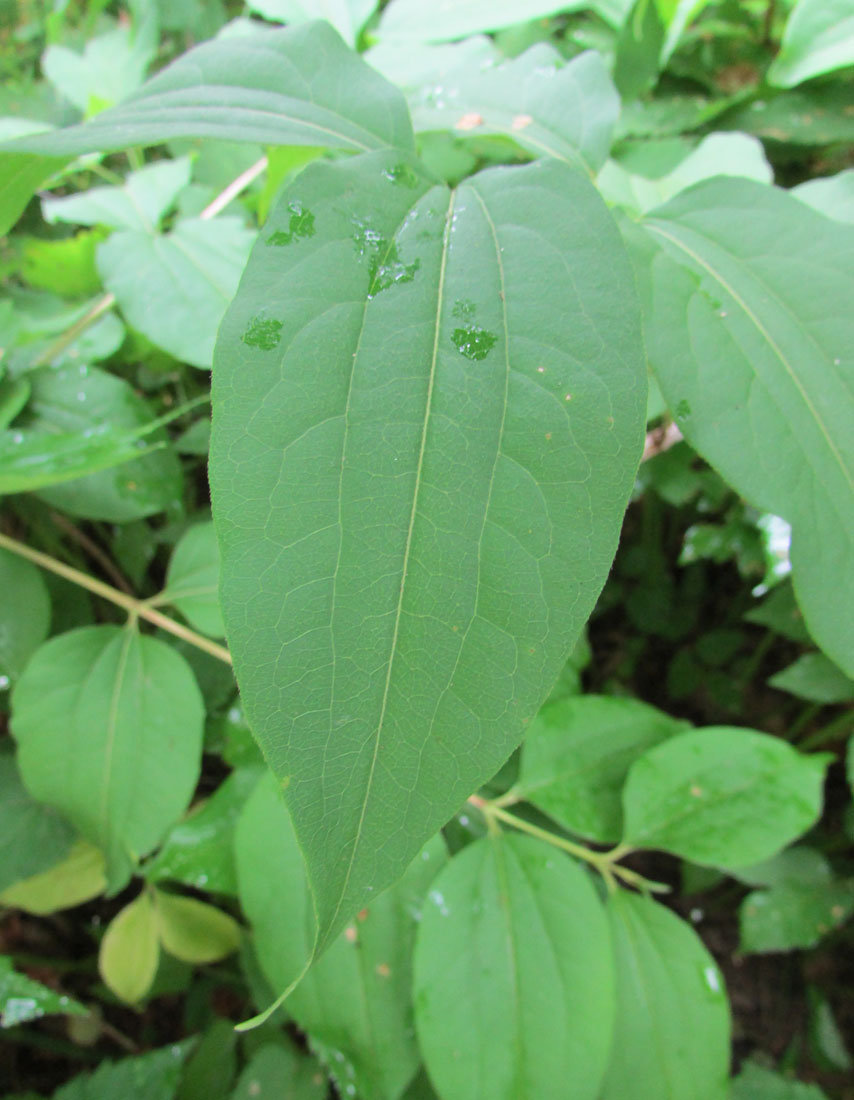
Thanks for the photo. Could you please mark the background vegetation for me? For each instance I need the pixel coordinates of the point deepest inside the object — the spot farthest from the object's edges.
(143, 915)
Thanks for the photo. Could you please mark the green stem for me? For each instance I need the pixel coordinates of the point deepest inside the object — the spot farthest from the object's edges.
(135, 608)
(604, 862)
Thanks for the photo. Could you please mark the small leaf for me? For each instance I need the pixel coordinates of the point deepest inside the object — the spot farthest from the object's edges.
(109, 728)
(672, 1034)
(111, 67)
(110, 423)
(152, 1076)
(175, 288)
(213, 1065)
(130, 950)
(77, 878)
(514, 981)
(24, 614)
(794, 914)
(818, 38)
(722, 154)
(22, 999)
(346, 16)
(192, 582)
(33, 837)
(194, 931)
(816, 678)
(830, 195)
(722, 796)
(638, 50)
(755, 1082)
(138, 204)
(445, 20)
(576, 755)
(563, 110)
(277, 1071)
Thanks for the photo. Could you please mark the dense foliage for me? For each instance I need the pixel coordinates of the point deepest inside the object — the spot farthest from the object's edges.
(472, 383)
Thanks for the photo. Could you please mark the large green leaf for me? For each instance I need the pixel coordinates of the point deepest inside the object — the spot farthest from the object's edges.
(576, 756)
(819, 37)
(175, 287)
(514, 980)
(428, 407)
(560, 110)
(746, 294)
(109, 727)
(355, 1002)
(722, 796)
(671, 1040)
(32, 837)
(297, 86)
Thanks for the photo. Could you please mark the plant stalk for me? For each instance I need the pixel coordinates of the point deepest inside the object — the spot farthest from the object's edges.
(604, 862)
(135, 608)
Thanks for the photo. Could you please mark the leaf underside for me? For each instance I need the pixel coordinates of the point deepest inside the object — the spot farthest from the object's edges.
(428, 410)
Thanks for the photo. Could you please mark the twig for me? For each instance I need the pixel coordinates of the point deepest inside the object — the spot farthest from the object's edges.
(234, 188)
(134, 607)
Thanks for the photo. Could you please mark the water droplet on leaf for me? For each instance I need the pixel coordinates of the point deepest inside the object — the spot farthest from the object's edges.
(263, 333)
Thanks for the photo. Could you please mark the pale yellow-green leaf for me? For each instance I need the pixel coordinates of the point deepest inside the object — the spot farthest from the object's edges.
(77, 878)
(130, 950)
(194, 931)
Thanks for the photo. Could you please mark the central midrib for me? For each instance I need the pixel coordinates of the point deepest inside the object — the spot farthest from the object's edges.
(405, 569)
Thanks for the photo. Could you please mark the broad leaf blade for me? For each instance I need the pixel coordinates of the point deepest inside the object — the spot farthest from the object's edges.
(440, 399)
(514, 980)
(109, 727)
(298, 86)
(746, 294)
(355, 1003)
(671, 1040)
